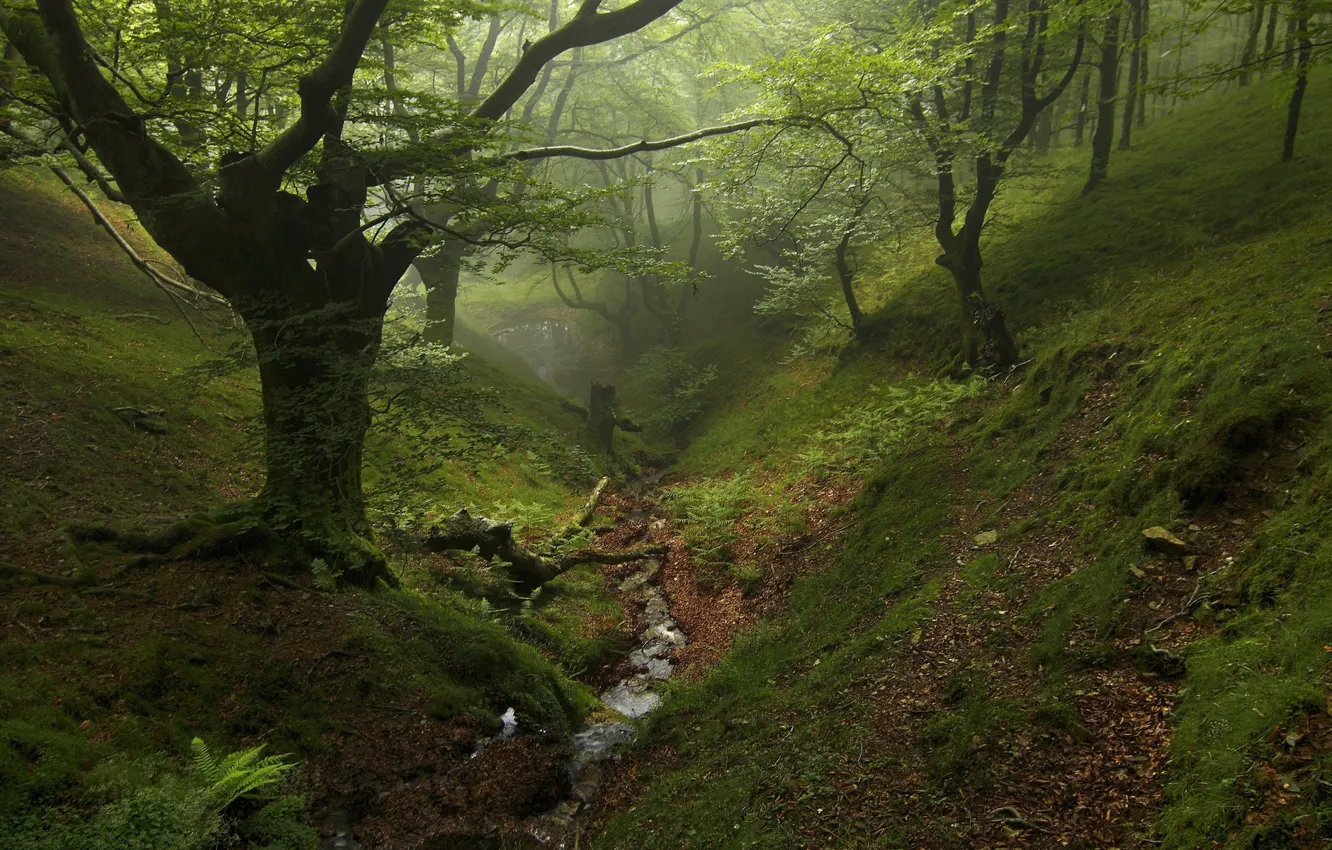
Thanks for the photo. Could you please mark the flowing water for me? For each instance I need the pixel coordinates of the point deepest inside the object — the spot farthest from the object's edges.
(632, 697)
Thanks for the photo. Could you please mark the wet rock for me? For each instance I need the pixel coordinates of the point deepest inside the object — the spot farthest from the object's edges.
(631, 699)
(1162, 540)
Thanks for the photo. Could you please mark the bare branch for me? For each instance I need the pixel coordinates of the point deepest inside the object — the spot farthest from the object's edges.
(637, 147)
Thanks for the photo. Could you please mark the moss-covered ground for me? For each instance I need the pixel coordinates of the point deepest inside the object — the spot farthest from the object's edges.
(103, 687)
(994, 657)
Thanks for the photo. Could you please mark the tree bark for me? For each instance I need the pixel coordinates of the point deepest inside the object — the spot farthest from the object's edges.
(1301, 20)
(1269, 42)
(1251, 44)
(1144, 65)
(529, 570)
(1104, 136)
(601, 419)
(441, 274)
(1135, 59)
(846, 275)
(314, 368)
(1083, 106)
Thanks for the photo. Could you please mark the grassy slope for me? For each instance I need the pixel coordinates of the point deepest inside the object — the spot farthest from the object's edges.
(1178, 377)
(81, 333)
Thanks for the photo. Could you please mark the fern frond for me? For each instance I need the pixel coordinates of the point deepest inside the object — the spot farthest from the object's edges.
(239, 774)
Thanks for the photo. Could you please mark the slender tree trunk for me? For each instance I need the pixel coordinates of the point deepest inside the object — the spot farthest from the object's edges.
(1250, 53)
(1144, 63)
(1288, 54)
(1045, 130)
(440, 274)
(1301, 80)
(1083, 108)
(847, 276)
(1135, 59)
(1103, 139)
(1269, 42)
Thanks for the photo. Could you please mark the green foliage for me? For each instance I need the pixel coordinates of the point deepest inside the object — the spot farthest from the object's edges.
(708, 511)
(38, 761)
(1177, 360)
(668, 389)
(280, 825)
(239, 774)
(868, 436)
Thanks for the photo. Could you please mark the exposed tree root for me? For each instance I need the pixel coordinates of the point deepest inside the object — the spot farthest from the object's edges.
(249, 529)
(45, 578)
(529, 570)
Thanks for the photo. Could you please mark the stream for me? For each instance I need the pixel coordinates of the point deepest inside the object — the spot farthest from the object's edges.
(632, 697)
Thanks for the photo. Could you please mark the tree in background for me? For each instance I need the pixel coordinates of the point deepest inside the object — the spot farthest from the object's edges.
(271, 211)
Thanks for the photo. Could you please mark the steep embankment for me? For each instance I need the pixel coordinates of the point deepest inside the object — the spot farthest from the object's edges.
(113, 410)
(985, 651)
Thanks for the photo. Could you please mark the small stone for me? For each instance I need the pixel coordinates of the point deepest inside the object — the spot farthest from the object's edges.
(987, 538)
(1190, 562)
(1162, 540)
(1133, 568)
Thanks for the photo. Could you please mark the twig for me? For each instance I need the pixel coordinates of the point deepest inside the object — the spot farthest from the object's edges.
(1195, 599)
(274, 578)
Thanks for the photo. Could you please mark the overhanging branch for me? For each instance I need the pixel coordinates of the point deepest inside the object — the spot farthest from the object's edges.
(643, 146)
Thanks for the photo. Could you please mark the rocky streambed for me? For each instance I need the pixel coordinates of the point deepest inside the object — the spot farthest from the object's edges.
(652, 662)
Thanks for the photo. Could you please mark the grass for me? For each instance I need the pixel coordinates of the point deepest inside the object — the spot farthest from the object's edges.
(88, 682)
(1185, 304)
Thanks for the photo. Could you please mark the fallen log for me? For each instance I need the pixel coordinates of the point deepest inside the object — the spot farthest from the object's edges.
(592, 501)
(529, 570)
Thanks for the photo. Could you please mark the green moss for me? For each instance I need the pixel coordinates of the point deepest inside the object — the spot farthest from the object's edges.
(1176, 342)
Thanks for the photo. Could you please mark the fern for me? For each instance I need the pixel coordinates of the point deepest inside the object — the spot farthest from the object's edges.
(237, 775)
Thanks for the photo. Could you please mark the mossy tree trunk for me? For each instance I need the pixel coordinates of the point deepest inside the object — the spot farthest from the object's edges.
(315, 362)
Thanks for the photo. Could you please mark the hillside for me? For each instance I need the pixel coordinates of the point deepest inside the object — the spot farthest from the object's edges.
(108, 671)
(981, 648)
(1081, 603)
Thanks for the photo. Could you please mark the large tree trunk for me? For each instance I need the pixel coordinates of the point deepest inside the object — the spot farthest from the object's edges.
(440, 274)
(985, 336)
(314, 369)
(1104, 136)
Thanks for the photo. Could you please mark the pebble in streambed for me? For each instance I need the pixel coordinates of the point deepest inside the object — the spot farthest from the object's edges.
(631, 697)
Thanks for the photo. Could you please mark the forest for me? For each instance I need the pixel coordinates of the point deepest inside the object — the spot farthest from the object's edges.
(446, 424)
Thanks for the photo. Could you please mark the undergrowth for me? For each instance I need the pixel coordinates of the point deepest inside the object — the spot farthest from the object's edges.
(1175, 325)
